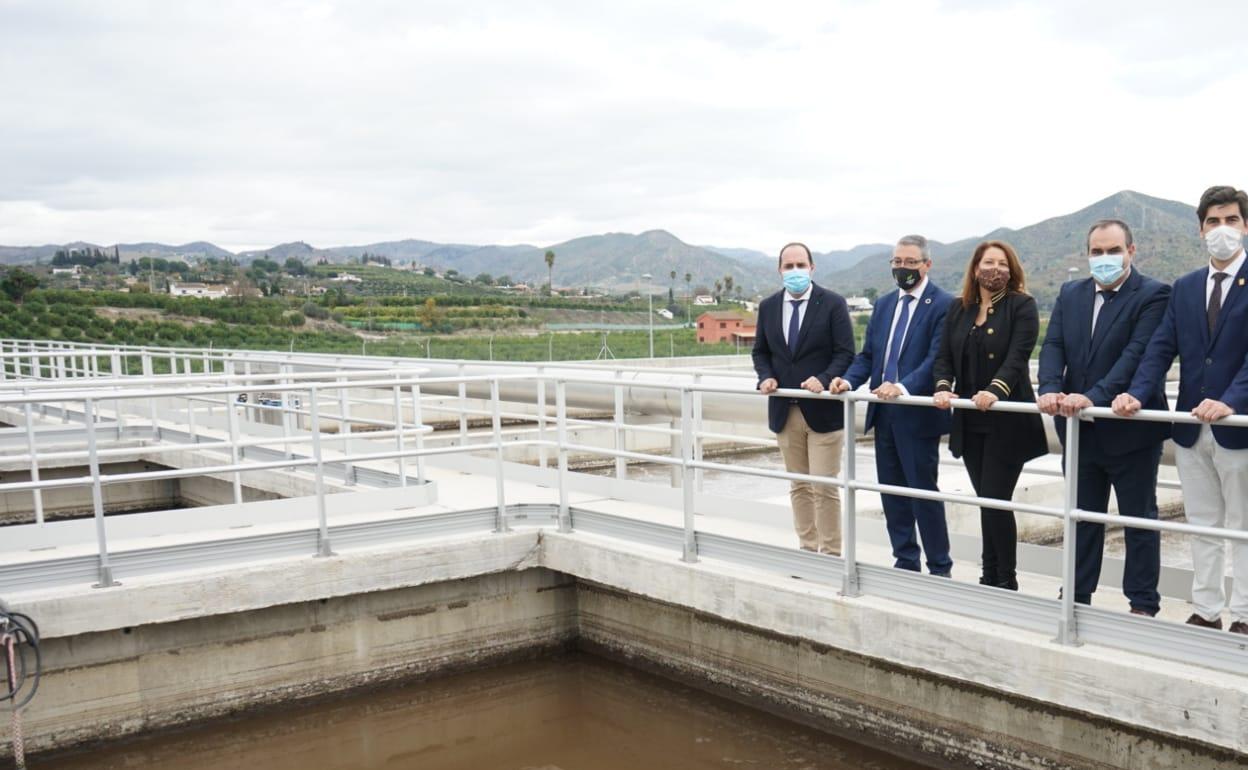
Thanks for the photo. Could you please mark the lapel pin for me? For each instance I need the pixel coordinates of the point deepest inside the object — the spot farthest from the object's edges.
(1241, 281)
(928, 301)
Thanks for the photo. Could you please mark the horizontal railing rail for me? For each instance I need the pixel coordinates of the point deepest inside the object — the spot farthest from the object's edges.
(104, 400)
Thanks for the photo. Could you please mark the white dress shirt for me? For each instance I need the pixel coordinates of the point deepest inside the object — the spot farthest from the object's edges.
(916, 292)
(1098, 299)
(1231, 271)
(787, 318)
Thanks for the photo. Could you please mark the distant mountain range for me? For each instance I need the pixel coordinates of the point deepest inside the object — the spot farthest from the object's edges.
(1165, 232)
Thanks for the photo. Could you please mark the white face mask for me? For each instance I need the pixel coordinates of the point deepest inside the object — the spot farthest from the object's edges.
(1224, 242)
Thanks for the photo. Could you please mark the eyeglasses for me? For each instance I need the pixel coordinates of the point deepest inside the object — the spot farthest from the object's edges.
(910, 263)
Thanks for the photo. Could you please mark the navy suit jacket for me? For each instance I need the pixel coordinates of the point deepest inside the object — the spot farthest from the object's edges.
(825, 349)
(914, 363)
(1210, 365)
(1100, 367)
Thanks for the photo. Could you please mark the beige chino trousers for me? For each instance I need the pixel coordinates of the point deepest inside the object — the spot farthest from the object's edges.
(816, 507)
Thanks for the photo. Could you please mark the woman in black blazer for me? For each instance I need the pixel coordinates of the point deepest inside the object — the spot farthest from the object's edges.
(985, 355)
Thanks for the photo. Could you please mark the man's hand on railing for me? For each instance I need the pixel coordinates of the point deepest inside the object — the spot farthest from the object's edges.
(1049, 403)
(984, 400)
(838, 385)
(943, 399)
(887, 391)
(768, 386)
(1210, 410)
(1125, 405)
(813, 385)
(1073, 403)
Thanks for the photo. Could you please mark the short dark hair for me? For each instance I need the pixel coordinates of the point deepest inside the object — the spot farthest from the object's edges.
(1101, 224)
(1220, 195)
(780, 256)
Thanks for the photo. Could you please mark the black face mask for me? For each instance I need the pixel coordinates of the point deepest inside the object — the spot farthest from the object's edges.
(906, 277)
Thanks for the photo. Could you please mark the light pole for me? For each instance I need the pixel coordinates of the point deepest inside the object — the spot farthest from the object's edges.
(650, 303)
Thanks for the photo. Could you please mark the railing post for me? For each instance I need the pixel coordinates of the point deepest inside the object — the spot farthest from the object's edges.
(287, 417)
(621, 466)
(97, 497)
(849, 502)
(322, 518)
(1067, 633)
(344, 429)
(418, 420)
(687, 484)
(399, 427)
(147, 372)
(541, 417)
(496, 425)
(34, 458)
(463, 416)
(561, 437)
(697, 429)
(231, 417)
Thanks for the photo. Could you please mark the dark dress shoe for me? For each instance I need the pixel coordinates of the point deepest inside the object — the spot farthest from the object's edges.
(1145, 613)
(1239, 627)
(1196, 620)
(1009, 585)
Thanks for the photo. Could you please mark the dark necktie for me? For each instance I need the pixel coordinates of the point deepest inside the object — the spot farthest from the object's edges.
(899, 333)
(1215, 300)
(1106, 296)
(795, 324)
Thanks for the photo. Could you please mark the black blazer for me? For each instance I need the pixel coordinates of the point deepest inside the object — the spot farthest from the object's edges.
(825, 349)
(1100, 367)
(1010, 335)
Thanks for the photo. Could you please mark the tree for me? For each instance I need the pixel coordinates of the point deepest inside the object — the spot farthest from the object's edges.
(728, 282)
(484, 278)
(550, 272)
(871, 294)
(688, 297)
(429, 315)
(17, 284)
(719, 289)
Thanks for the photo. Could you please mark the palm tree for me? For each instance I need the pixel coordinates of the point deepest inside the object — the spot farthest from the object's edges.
(719, 289)
(550, 272)
(689, 297)
(728, 284)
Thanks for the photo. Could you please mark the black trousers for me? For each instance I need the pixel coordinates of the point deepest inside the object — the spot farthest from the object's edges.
(993, 477)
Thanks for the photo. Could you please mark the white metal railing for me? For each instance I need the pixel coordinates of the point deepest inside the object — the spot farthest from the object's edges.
(91, 388)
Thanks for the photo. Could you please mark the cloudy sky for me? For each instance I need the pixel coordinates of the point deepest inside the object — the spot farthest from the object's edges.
(731, 123)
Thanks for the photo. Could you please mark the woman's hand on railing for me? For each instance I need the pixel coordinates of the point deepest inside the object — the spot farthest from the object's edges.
(984, 400)
(944, 399)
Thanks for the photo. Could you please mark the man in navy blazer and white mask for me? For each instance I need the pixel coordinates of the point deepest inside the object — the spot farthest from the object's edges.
(1206, 326)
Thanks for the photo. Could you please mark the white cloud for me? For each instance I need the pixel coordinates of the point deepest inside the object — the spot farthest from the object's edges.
(730, 123)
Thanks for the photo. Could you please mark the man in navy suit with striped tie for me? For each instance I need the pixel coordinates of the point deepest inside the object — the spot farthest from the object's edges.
(902, 340)
(1204, 325)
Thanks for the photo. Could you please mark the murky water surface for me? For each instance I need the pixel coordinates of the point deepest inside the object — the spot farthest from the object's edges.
(571, 713)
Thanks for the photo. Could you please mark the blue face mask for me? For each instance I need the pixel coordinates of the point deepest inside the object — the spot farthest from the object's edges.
(797, 281)
(1107, 268)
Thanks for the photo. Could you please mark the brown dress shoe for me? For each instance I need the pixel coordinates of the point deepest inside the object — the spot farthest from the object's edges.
(1145, 613)
(1196, 620)
(1239, 627)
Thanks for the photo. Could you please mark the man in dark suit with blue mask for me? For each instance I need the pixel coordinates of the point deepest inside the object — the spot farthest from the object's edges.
(805, 339)
(1205, 326)
(1097, 334)
(901, 343)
